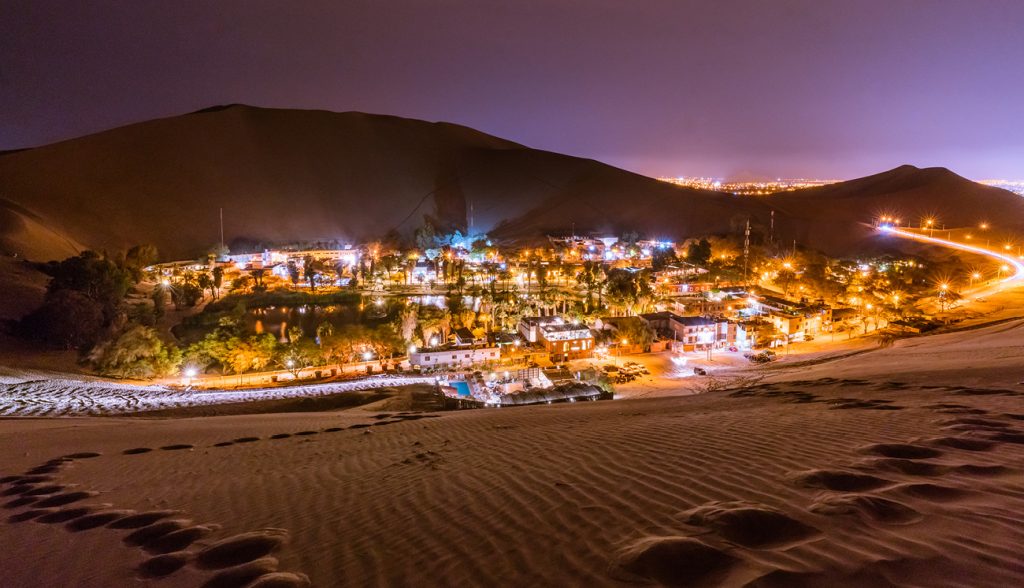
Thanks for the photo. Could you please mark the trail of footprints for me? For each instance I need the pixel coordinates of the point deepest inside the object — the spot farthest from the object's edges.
(861, 490)
(171, 540)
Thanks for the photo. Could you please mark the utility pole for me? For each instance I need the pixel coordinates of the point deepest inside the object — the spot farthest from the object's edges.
(771, 230)
(746, 252)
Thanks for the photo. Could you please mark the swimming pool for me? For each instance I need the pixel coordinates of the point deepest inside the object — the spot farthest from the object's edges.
(461, 387)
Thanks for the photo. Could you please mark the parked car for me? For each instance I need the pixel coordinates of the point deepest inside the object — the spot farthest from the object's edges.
(699, 371)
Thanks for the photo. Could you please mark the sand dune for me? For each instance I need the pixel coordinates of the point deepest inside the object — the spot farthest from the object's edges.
(297, 174)
(804, 480)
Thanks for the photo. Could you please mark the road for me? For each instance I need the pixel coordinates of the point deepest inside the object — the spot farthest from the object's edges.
(1013, 278)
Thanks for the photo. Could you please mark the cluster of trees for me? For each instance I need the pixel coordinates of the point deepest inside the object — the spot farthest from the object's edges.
(85, 309)
(84, 301)
(231, 349)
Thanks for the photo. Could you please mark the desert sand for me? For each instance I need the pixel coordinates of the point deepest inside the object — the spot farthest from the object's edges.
(861, 471)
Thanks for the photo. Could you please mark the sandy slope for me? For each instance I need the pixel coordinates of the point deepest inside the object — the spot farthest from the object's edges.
(286, 174)
(885, 478)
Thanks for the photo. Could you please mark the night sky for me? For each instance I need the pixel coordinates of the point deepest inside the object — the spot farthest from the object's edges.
(757, 88)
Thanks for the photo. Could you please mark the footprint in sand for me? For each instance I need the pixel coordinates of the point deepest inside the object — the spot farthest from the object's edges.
(676, 561)
(965, 443)
(901, 450)
(137, 451)
(242, 575)
(65, 514)
(904, 466)
(30, 489)
(875, 508)
(82, 455)
(156, 530)
(178, 540)
(65, 498)
(931, 492)
(971, 469)
(281, 580)
(1008, 437)
(240, 549)
(20, 502)
(750, 525)
(281, 436)
(839, 480)
(97, 519)
(141, 519)
(30, 514)
(177, 447)
(164, 565)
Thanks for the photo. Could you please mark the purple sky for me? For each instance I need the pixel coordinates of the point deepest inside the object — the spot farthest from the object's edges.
(755, 88)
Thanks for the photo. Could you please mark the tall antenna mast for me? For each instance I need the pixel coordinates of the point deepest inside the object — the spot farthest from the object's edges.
(222, 229)
(746, 251)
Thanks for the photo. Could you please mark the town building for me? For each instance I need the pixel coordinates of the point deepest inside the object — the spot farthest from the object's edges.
(453, 357)
(797, 321)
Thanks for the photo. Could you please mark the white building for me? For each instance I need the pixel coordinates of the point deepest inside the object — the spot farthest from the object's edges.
(454, 357)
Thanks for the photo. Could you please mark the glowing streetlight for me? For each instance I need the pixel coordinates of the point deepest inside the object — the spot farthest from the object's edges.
(975, 276)
(412, 349)
(983, 226)
(367, 356)
(433, 341)
(165, 282)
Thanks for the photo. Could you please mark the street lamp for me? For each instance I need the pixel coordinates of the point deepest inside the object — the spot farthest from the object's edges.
(189, 374)
(975, 276)
(943, 288)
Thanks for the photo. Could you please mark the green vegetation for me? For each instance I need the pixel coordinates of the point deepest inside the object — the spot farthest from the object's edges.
(137, 352)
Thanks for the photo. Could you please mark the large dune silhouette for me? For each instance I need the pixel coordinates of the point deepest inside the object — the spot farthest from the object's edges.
(286, 175)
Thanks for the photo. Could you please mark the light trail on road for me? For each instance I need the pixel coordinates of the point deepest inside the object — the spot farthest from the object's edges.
(1012, 279)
